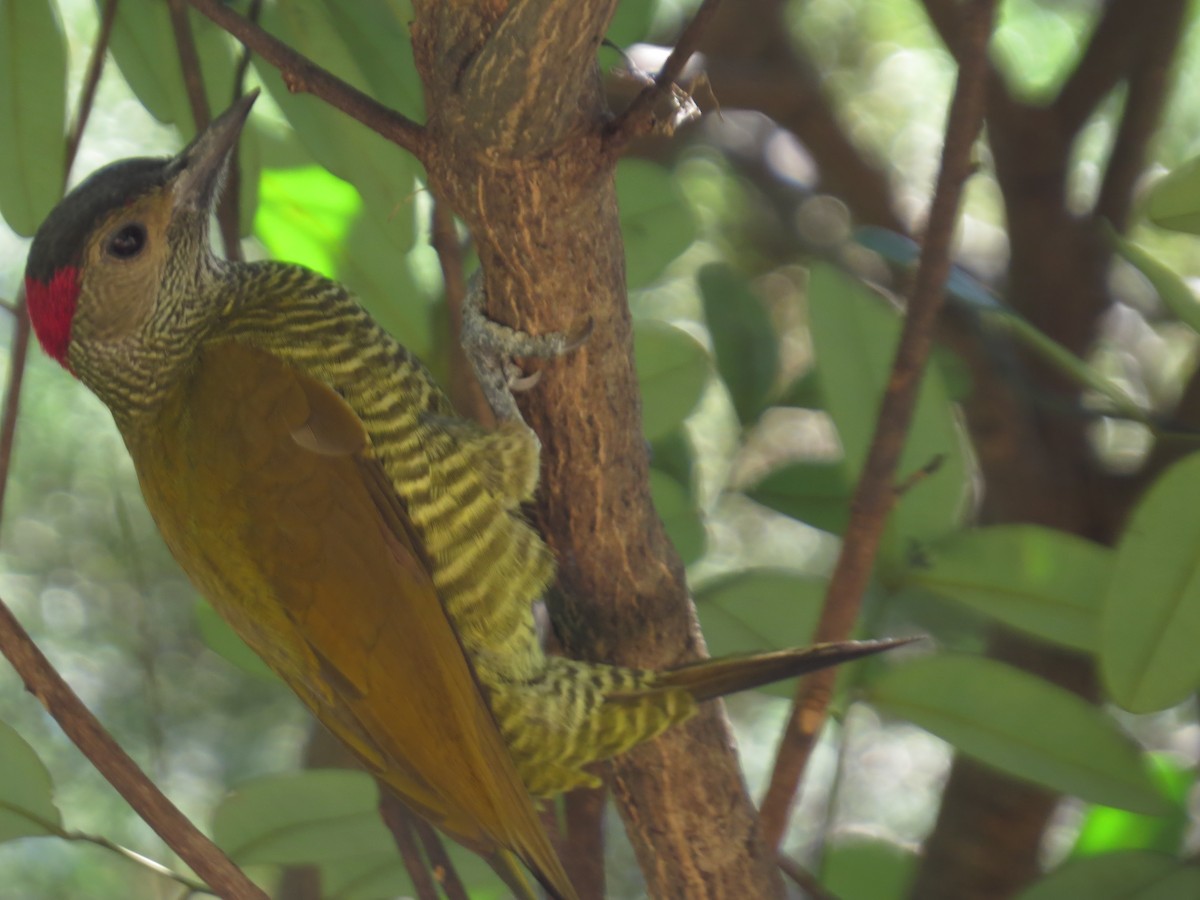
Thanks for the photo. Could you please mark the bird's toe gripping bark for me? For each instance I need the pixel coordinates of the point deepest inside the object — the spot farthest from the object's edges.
(491, 346)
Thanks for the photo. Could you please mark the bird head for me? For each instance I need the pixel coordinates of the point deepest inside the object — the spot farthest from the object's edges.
(119, 265)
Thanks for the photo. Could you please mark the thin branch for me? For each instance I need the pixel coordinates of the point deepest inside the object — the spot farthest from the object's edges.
(439, 861)
(874, 495)
(189, 63)
(90, 80)
(804, 879)
(464, 388)
(400, 822)
(638, 118)
(18, 356)
(583, 848)
(302, 75)
(117, 767)
(1111, 53)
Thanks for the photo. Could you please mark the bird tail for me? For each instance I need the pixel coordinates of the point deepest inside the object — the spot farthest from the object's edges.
(711, 678)
(506, 864)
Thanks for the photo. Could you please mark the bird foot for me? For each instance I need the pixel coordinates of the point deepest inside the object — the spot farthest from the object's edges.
(491, 346)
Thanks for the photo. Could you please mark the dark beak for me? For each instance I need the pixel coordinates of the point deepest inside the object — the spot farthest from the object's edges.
(200, 167)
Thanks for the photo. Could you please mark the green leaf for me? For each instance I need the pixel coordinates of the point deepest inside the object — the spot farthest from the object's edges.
(673, 369)
(743, 337)
(381, 171)
(143, 47)
(300, 818)
(1151, 613)
(304, 216)
(759, 609)
(817, 493)
(33, 103)
(855, 334)
(1022, 725)
(219, 637)
(1171, 289)
(861, 869)
(1174, 200)
(656, 222)
(1133, 875)
(26, 790)
(1106, 829)
(679, 514)
(379, 42)
(631, 21)
(1045, 582)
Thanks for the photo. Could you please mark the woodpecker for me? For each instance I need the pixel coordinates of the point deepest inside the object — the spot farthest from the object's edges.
(318, 487)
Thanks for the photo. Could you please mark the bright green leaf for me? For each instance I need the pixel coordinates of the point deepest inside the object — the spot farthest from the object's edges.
(656, 222)
(381, 171)
(1022, 725)
(26, 792)
(743, 337)
(817, 493)
(672, 368)
(1106, 829)
(309, 817)
(855, 334)
(33, 103)
(1133, 875)
(1046, 582)
(224, 641)
(304, 216)
(759, 609)
(679, 514)
(1174, 200)
(863, 869)
(1151, 613)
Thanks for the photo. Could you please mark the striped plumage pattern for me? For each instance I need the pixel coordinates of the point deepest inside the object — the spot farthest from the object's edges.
(462, 487)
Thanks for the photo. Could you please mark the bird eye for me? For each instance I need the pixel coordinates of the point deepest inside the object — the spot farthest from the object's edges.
(128, 242)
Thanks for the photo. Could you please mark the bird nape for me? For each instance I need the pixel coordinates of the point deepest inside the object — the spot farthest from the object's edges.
(319, 489)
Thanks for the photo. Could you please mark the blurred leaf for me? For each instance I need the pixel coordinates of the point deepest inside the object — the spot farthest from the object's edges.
(743, 337)
(219, 637)
(300, 818)
(1151, 612)
(304, 216)
(631, 22)
(143, 47)
(26, 790)
(33, 103)
(903, 250)
(862, 869)
(855, 335)
(1133, 875)
(759, 609)
(1174, 200)
(366, 878)
(1171, 289)
(656, 222)
(816, 493)
(1021, 725)
(381, 171)
(672, 369)
(380, 44)
(679, 514)
(804, 392)
(1106, 829)
(1045, 582)
(674, 455)
(955, 372)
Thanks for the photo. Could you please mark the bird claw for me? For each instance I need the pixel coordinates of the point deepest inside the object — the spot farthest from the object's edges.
(491, 346)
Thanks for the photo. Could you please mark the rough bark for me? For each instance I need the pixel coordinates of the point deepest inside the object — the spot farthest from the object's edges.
(517, 135)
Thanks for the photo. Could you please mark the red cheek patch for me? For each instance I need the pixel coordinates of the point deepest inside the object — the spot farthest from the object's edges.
(52, 309)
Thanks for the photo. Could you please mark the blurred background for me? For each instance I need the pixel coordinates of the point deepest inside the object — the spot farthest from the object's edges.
(823, 118)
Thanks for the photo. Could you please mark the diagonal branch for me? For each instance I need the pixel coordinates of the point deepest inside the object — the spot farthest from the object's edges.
(874, 495)
(638, 118)
(302, 75)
